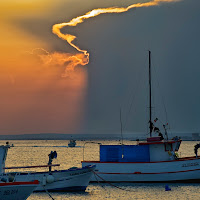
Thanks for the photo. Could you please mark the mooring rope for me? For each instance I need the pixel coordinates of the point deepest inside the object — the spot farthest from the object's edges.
(48, 193)
(95, 174)
(99, 181)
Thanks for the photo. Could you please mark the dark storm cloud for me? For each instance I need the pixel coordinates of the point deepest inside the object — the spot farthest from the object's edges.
(120, 60)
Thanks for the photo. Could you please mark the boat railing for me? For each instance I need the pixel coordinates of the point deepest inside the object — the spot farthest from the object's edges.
(36, 166)
(90, 142)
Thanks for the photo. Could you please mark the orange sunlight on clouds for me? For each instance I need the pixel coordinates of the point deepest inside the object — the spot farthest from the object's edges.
(35, 97)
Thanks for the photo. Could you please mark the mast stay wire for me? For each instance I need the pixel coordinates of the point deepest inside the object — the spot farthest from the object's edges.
(160, 92)
(134, 94)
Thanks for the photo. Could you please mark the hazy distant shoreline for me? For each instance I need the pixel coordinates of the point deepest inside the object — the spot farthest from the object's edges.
(56, 136)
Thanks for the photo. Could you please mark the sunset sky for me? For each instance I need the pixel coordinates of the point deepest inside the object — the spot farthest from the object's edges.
(50, 86)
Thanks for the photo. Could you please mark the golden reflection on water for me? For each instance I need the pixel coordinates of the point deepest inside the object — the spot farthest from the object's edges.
(32, 152)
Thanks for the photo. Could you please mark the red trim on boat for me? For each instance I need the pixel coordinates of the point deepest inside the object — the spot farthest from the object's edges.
(36, 182)
(151, 173)
(180, 159)
(161, 142)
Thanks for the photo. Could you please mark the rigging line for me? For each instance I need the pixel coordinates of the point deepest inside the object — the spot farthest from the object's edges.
(99, 182)
(163, 100)
(133, 98)
(162, 97)
(48, 193)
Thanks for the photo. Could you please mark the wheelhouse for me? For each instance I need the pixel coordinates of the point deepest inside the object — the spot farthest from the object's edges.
(150, 151)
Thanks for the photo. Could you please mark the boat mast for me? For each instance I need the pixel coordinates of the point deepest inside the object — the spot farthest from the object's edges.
(150, 122)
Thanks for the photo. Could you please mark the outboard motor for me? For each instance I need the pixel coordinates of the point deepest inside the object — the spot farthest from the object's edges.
(52, 155)
(196, 149)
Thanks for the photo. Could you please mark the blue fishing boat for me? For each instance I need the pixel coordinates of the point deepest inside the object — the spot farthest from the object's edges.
(154, 160)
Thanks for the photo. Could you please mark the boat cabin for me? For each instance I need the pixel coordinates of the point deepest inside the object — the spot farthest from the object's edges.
(153, 150)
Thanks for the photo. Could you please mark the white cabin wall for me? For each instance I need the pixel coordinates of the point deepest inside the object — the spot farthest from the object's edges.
(158, 153)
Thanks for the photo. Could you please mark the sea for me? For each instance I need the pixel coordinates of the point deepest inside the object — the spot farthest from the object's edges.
(35, 152)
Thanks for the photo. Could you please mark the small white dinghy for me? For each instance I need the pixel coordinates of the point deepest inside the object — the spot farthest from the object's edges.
(73, 179)
(17, 190)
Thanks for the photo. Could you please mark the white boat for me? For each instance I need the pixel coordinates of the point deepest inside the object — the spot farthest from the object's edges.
(155, 160)
(72, 143)
(17, 190)
(73, 179)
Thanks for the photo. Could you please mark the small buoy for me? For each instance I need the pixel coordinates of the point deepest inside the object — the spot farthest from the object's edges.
(167, 188)
(50, 179)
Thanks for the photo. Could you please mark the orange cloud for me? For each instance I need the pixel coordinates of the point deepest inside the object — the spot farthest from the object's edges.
(77, 59)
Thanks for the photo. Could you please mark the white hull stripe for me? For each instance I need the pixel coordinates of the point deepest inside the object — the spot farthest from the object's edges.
(151, 173)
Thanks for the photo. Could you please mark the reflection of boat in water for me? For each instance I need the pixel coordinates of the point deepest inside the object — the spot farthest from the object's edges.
(72, 143)
(17, 190)
(155, 160)
(73, 179)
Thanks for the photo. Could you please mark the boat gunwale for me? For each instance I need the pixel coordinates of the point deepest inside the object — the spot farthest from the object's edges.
(160, 142)
(180, 159)
(89, 167)
(24, 183)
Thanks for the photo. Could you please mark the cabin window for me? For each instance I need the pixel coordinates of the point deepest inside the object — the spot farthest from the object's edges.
(168, 147)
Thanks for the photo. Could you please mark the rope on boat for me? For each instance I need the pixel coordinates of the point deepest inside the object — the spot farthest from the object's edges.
(48, 193)
(95, 174)
(99, 181)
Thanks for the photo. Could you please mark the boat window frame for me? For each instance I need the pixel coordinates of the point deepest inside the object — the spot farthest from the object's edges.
(167, 144)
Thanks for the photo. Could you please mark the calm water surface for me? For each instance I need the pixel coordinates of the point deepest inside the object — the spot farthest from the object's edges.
(35, 152)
